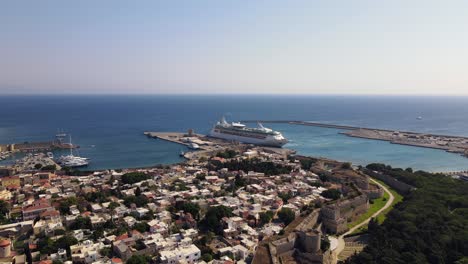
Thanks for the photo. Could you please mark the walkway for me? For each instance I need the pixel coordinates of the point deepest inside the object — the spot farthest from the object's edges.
(341, 242)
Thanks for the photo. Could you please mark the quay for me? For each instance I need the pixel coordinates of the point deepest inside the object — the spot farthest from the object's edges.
(449, 143)
(36, 146)
(176, 137)
(208, 145)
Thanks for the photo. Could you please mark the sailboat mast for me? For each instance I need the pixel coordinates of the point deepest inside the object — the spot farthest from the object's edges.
(71, 146)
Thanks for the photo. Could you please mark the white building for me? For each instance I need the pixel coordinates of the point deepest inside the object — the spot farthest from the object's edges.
(189, 254)
(86, 252)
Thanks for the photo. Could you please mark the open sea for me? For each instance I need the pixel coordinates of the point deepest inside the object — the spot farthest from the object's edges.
(109, 129)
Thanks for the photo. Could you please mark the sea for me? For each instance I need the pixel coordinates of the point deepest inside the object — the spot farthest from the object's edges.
(109, 128)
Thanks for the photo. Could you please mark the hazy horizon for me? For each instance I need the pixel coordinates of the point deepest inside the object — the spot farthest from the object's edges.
(249, 47)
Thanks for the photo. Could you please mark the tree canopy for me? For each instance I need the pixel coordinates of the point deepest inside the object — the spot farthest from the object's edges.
(139, 259)
(267, 167)
(286, 215)
(429, 226)
(213, 217)
(333, 194)
(134, 177)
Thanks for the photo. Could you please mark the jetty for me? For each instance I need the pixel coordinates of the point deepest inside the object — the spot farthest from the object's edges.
(208, 145)
(36, 146)
(449, 143)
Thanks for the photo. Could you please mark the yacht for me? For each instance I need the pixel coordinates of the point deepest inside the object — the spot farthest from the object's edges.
(236, 131)
(71, 160)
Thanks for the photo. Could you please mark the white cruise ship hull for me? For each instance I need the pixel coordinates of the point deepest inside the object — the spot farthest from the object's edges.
(269, 141)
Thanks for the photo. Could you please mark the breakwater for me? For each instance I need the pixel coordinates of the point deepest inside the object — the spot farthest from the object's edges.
(453, 144)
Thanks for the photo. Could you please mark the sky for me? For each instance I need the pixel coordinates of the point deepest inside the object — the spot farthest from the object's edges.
(234, 47)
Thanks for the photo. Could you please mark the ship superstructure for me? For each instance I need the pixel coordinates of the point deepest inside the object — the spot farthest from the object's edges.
(239, 132)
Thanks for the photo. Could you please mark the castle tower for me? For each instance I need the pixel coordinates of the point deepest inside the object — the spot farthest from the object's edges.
(5, 248)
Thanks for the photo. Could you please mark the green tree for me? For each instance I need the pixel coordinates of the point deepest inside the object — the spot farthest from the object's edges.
(306, 164)
(134, 177)
(286, 215)
(138, 201)
(213, 217)
(65, 242)
(285, 196)
(141, 227)
(52, 167)
(428, 226)
(207, 257)
(64, 206)
(265, 217)
(4, 210)
(333, 194)
(192, 208)
(113, 205)
(346, 166)
(81, 223)
(137, 191)
(139, 259)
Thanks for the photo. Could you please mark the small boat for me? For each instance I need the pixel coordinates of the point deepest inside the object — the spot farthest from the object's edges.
(419, 118)
(193, 146)
(182, 154)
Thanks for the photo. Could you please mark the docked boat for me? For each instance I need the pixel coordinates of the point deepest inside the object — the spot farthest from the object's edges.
(239, 132)
(71, 160)
(193, 146)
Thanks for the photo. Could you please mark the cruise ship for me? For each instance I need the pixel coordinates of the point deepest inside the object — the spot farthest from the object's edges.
(241, 133)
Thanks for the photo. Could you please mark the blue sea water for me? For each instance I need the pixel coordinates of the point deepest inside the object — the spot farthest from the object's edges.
(110, 129)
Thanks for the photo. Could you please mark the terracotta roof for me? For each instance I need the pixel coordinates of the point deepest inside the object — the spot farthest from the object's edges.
(116, 260)
(136, 232)
(9, 178)
(50, 213)
(5, 243)
(121, 237)
(85, 214)
(36, 207)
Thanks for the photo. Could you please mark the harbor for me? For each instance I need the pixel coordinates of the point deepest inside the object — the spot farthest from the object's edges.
(449, 143)
(206, 145)
(197, 144)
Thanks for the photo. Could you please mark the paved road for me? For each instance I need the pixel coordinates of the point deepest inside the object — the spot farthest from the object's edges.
(341, 242)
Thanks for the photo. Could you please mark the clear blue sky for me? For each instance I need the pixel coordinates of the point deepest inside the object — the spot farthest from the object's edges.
(316, 47)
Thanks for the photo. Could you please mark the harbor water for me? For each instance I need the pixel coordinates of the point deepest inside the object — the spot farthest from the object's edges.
(109, 129)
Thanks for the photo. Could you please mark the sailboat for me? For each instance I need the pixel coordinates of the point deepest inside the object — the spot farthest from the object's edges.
(72, 160)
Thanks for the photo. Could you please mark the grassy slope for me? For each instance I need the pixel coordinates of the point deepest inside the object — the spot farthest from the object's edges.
(378, 203)
(398, 198)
